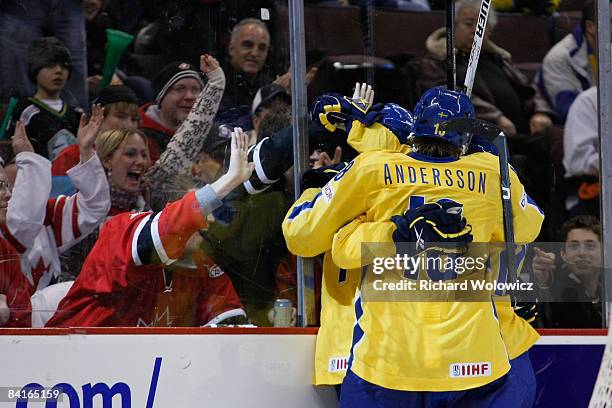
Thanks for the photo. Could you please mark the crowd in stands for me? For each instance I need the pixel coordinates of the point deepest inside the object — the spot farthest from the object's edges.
(77, 155)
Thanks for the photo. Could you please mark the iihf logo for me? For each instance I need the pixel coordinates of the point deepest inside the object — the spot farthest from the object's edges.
(482, 369)
(456, 370)
(338, 364)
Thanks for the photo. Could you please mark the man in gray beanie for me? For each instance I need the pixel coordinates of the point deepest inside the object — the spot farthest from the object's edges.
(176, 88)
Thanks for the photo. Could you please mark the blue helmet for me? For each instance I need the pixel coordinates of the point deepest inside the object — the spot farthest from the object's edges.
(398, 120)
(438, 105)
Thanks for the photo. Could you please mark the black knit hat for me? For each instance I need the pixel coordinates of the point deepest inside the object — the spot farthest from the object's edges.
(266, 94)
(44, 52)
(171, 74)
(219, 135)
(116, 93)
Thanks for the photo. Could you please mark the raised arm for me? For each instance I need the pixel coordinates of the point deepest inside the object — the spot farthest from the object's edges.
(190, 137)
(26, 208)
(161, 237)
(73, 217)
(314, 218)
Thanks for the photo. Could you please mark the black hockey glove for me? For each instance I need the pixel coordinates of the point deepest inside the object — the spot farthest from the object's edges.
(525, 305)
(433, 224)
(336, 111)
(317, 178)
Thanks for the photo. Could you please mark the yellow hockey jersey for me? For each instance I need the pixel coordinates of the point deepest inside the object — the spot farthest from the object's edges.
(518, 335)
(335, 334)
(379, 185)
(339, 286)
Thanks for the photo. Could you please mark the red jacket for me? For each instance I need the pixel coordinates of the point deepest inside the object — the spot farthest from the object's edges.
(67, 159)
(15, 286)
(158, 135)
(119, 286)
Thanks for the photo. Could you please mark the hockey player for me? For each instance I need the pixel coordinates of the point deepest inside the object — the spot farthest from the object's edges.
(389, 132)
(346, 198)
(339, 285)
(124, 274)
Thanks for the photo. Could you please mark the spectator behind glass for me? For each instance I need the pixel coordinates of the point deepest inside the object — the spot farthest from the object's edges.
(123, 153)
(211, 161)
(176, 87)
(180, 149)
(21, 23)
(51, 122)
(42, 228)
(97, 21)
(571, 65)
(156, 294)
(252, 259)
(581, 155)
(572, 287)
(247, 51)
(501, 94)
(125, 156)
(15, 290)
(120, 112)
(270, 101)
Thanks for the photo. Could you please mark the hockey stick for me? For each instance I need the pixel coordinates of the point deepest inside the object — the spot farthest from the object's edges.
(451, 60)
(492, 133)
(496, 135)
(481, 25)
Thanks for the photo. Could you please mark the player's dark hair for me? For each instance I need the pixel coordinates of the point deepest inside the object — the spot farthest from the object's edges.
(586, 222)
(436, 148)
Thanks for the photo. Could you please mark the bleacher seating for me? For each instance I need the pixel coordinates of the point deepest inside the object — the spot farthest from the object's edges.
(525, 37)
(334, 29)
(338, 30)
(403, 31)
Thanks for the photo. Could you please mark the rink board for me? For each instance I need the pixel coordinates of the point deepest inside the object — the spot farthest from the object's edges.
(228, 367)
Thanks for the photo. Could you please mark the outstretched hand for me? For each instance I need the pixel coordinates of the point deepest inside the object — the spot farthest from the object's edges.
(320, 158)
(88, 131)
(19, 141)
(543, 265)
(239, 168)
